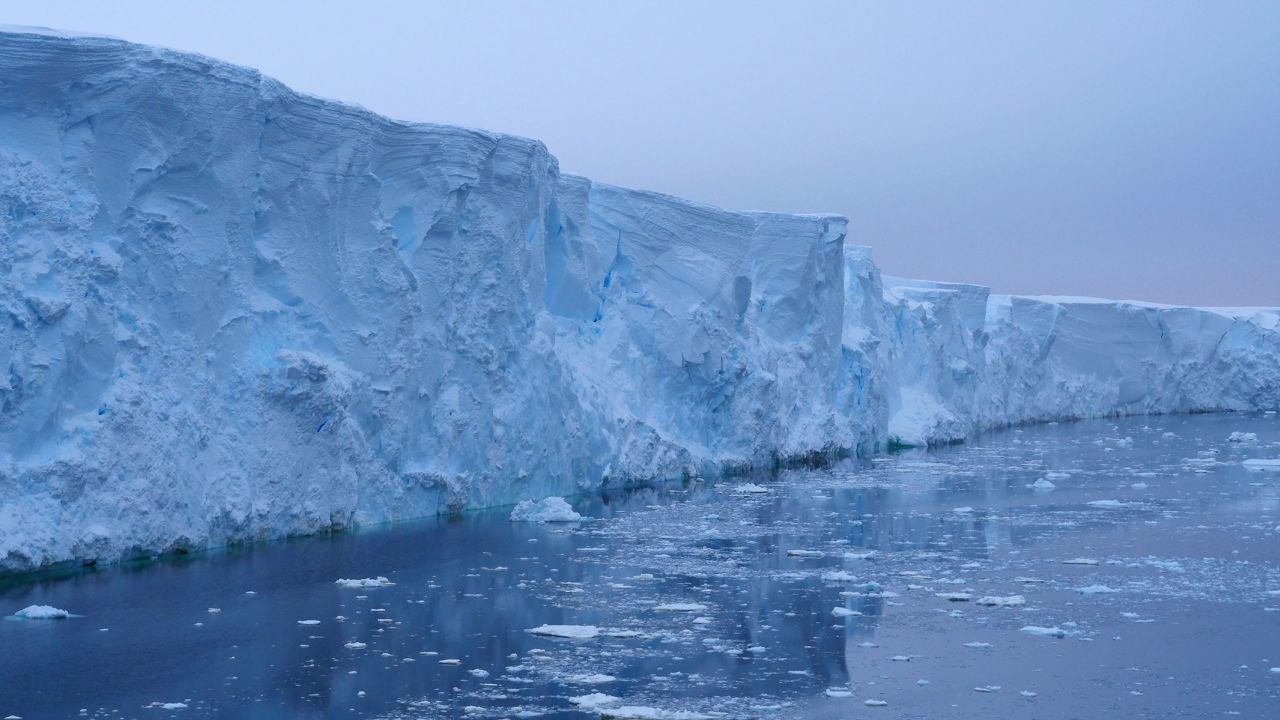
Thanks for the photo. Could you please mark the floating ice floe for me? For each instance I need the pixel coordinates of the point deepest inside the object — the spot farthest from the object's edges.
(42, 612)
(680, 607)
(167, 706)
(572, 632)
(1042, 485)
(750, 488)
(1057, 475)
(1243, 437)
(838, 693)
(364, 583)
(591, 679)
(642, 712)
(838, 576)
(806, 553)
(955, 596)
(1096, 590)
(308, 622)
(1260, 465)
(977, 645)
(844, 612)
(595, 700)
(355, 645)
(1038, 631)
(552, 509)
(997, 601)
(1080, 561)
(1108, 504)
(875, 703)
(962, 510)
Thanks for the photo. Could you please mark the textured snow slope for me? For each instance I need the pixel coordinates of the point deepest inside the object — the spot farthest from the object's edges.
(233, 312)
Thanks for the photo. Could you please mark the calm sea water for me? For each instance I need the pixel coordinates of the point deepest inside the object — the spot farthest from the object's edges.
(807, 597)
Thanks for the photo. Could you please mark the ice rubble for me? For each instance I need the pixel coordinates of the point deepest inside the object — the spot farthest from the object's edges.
(248, 313)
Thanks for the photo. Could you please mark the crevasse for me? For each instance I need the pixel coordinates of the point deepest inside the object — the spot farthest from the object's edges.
(235, 312)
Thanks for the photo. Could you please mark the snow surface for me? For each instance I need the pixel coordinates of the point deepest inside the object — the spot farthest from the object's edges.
(249, 313)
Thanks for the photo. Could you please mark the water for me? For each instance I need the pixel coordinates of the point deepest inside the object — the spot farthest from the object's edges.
(1180, 621)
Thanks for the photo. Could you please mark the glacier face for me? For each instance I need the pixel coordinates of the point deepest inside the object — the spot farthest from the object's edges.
(236, 312)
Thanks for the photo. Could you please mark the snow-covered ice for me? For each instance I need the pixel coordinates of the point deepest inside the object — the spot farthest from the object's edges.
(573, 632)
(364, 583)
(552, 509)
(42, 612)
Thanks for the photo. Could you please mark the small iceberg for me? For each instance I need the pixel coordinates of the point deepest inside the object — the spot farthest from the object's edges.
(42, 612)
(1243, 437)
(1054, 632)
(552, 509)
(364, 583)
(595, 700)
(1259, 465)
(680, 607)
(805, 553)
(571, 632)
(996, 601)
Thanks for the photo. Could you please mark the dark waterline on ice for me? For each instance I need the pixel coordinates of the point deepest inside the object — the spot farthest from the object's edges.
(1177, 620)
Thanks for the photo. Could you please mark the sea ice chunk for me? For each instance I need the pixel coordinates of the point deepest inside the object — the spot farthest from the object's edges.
(573, 632)
(42, 612)
(364, 583)
(552, 509)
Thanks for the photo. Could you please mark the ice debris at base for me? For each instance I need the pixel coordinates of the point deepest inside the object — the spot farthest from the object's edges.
(1039, 631)
(552, 509)
(680, 607)
(462, 325)
(42, 612)
(996, 601)
(573, 632)
(364, 583)
(595, 700)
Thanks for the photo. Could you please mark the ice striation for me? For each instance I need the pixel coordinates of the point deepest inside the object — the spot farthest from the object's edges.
(236, 312)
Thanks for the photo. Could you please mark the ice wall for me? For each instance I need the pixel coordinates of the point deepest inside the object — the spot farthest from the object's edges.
(234, 312)
(966, 360)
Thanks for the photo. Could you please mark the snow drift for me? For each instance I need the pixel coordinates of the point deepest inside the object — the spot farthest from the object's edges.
(236, 312)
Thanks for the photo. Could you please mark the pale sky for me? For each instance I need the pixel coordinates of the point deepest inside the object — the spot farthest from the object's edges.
(1117, 149)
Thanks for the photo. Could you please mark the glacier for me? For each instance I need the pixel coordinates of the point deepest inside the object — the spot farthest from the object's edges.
(235, 312)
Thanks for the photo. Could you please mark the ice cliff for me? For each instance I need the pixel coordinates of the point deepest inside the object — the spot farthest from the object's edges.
(235, 312)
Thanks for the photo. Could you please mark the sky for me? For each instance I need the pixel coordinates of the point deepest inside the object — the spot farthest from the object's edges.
(1115, 149)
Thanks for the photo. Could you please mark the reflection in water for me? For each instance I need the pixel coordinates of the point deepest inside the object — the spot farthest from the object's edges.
(1188, 547)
